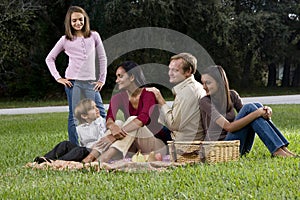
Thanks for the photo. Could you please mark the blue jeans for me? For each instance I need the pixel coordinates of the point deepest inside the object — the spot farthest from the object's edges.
(265, 129)
(74, 95)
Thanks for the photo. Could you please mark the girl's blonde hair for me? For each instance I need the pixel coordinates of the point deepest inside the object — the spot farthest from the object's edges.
(69, 31)
(82, 108)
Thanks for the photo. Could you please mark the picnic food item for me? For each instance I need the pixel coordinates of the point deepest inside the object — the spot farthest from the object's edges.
(151, 157)
(158, 157)
(138, 157)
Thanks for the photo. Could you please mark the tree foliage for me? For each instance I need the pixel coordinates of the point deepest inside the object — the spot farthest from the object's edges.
(15, 31)
(246, 37)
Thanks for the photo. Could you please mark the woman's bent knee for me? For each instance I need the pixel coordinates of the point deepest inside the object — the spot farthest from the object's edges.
(250, 107)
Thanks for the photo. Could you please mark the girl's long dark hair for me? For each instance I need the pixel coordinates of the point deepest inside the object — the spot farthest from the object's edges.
(133, 69)
(222, 98)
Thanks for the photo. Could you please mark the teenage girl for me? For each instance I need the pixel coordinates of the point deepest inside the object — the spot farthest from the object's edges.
(82, 46)
(220, 122)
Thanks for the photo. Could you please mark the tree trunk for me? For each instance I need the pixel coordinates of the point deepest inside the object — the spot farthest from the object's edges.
(271, 75)
(286, 73)
(296, 77)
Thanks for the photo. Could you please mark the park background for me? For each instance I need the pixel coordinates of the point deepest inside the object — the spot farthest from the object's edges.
(256, 41)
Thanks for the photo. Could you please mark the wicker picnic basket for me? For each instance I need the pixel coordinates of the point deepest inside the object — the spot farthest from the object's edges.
(204, 151)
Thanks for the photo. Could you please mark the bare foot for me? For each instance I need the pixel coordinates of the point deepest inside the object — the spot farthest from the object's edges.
(281, 153)
(109, 154)
(288, 151)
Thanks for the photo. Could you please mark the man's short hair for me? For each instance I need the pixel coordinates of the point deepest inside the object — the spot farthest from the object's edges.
(189, 61)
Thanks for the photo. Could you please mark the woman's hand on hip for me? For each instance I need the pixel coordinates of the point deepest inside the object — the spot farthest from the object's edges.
(65, 82)
(98, 85)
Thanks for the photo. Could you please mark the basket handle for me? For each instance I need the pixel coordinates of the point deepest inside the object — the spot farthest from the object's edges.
(173, 152)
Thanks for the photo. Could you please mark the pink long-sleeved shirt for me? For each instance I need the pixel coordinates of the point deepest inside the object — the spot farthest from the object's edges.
(82, 58)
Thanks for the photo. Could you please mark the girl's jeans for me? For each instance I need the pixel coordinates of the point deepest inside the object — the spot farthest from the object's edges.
(265, 129)
(84, 88)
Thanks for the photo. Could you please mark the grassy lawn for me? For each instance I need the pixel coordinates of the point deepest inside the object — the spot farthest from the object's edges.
(257, 176)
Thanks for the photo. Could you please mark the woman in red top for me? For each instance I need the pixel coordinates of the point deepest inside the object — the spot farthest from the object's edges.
(140, 111)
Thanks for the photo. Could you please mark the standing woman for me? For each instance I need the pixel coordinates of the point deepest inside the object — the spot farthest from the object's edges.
(220, 123)
(82, 46)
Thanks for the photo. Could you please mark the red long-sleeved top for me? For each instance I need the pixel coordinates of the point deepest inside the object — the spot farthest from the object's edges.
(147, 111)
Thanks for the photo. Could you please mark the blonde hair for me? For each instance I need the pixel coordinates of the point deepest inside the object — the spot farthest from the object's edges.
(69, 31)
(189, 61)
(83, 107)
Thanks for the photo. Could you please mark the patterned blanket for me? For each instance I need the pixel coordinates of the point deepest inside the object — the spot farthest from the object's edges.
(120, 165)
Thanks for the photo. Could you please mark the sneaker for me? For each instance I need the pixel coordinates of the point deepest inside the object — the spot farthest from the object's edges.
(40, 160)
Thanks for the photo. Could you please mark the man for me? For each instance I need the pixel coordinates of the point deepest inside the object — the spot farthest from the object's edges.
(183, 118)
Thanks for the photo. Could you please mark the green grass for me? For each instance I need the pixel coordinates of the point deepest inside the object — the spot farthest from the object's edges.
(268, 91)
(257, 176)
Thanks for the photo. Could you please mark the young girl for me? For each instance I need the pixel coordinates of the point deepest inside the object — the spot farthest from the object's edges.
(219, 121)
(82, 46)
(91, 129)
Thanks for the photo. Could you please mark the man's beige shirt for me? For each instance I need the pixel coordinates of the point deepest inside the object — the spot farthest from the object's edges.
(184, 118)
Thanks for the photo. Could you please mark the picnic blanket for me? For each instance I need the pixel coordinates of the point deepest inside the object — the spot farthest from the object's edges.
(120, 165)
